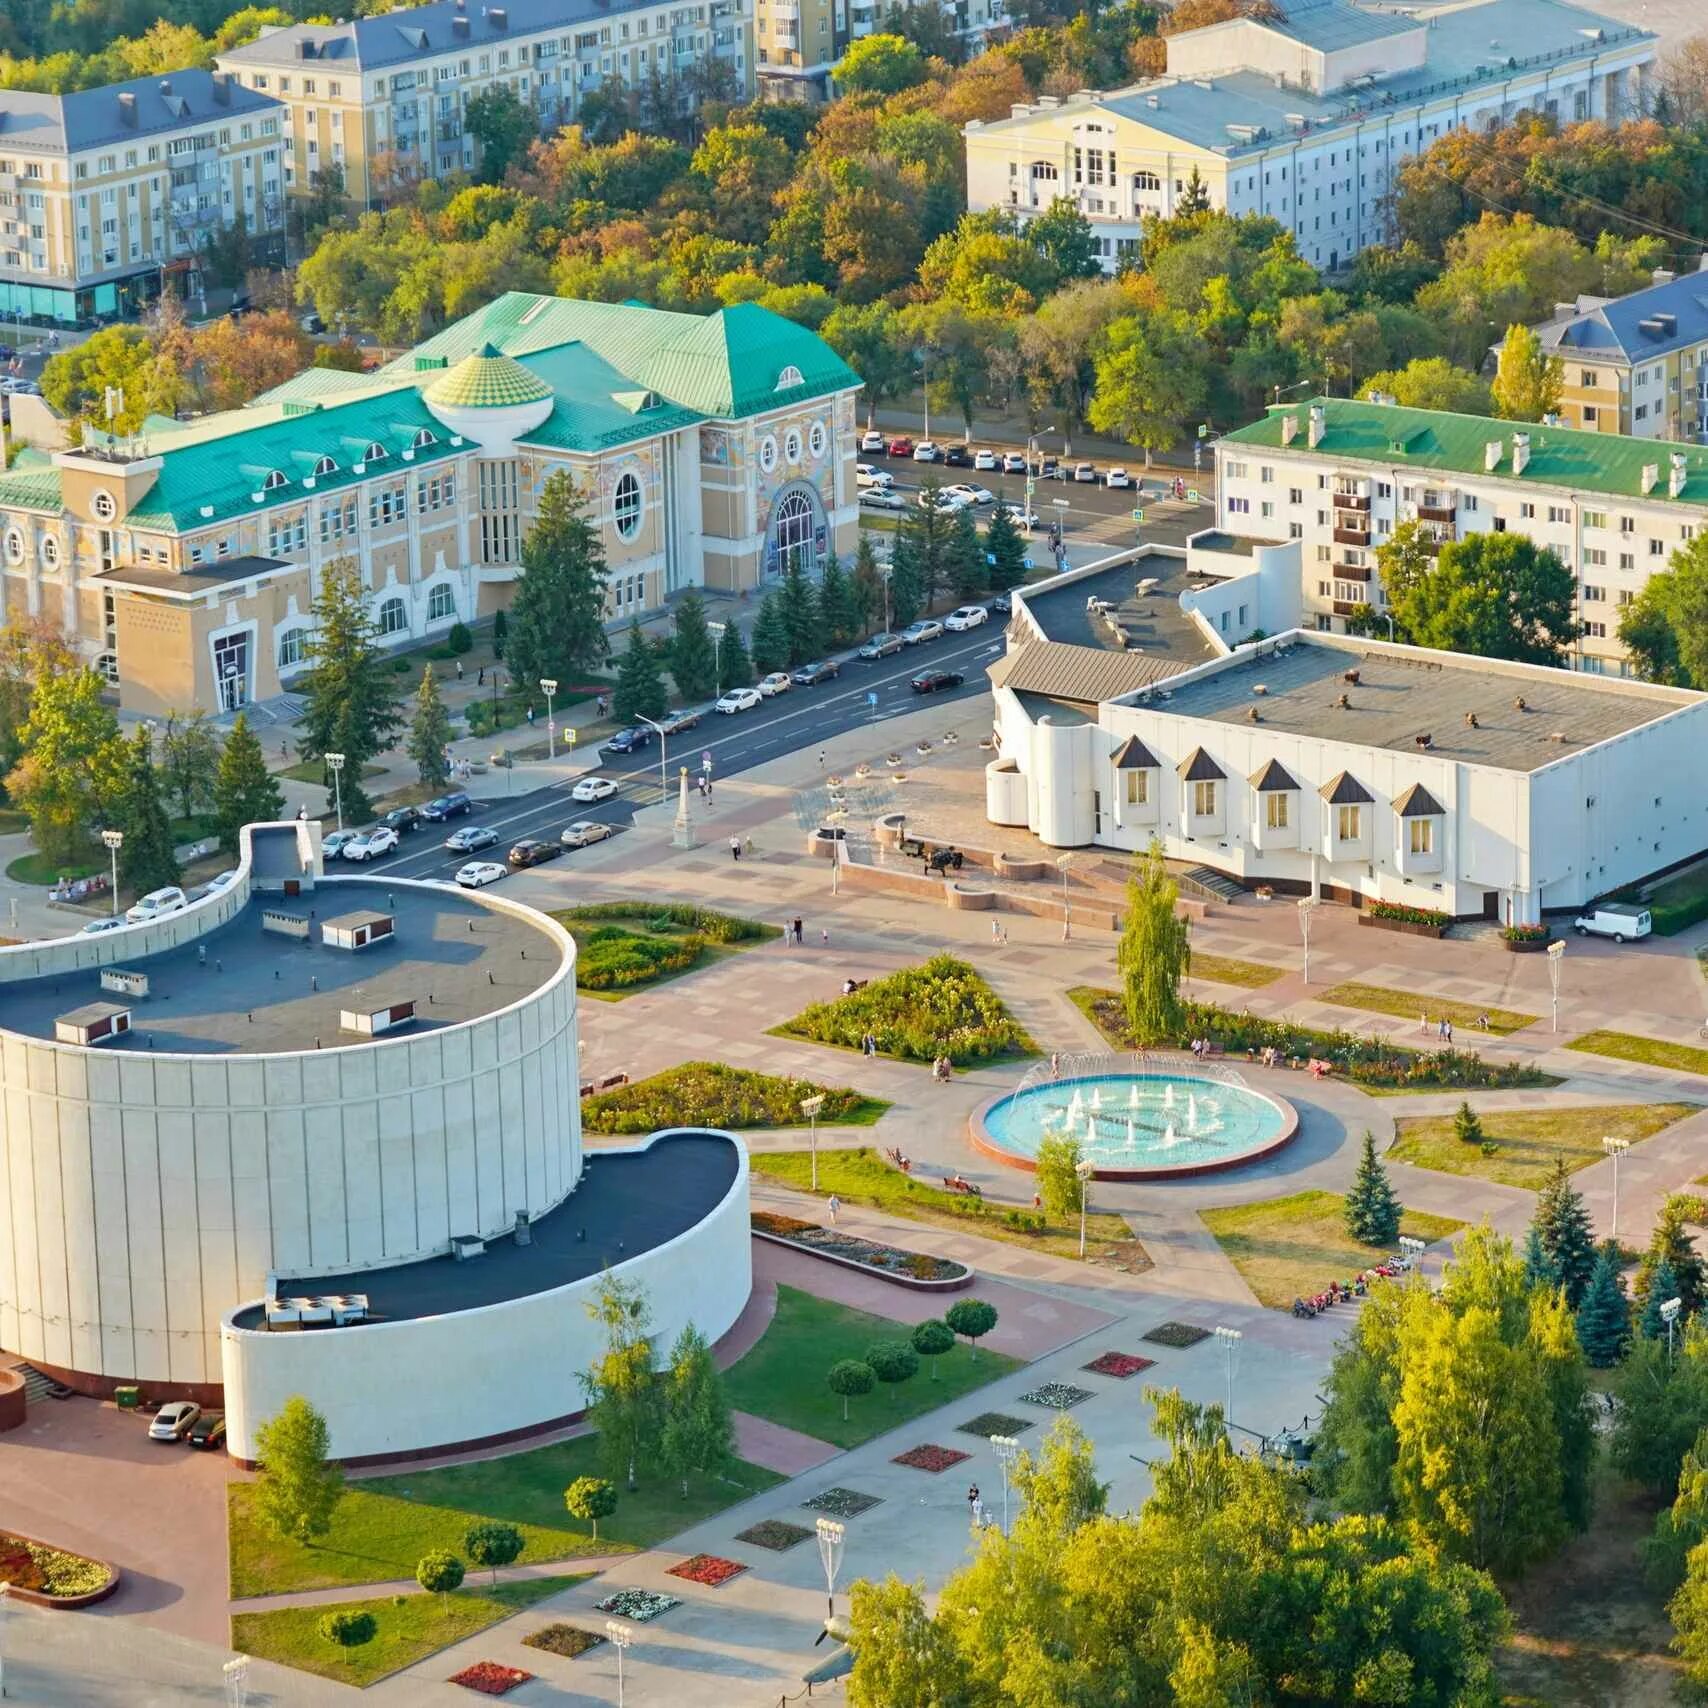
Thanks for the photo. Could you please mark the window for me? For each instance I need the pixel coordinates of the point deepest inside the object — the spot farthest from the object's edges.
(325, 466)
(441, 603)
(1239, 506)
(1595, 518)
(1422, 835)
(1592, 594)
(50, 550)
(626, 507)
(293, 647)
(817, 439)
(103, 506)
(789, 378)
(273, 481)
(1275, 810)
(1349, 823)
(375, 454)
(424, 438)
(14, 546)
(1204, 800)
(394, 619)
(1138, 788)
(792, 445)
(767, 453)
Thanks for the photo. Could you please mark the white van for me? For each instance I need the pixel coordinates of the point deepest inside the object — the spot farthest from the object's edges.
(1622, 921)
(156, 905)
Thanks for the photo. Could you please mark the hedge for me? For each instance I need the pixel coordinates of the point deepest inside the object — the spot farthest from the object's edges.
(709, 1094)
(659, 916)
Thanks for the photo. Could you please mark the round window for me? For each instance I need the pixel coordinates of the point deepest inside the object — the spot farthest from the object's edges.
(792, 445)
(14, 546)
(626, 507)
(103, 506)
(817, 439)
(767, 453)
(50, 550)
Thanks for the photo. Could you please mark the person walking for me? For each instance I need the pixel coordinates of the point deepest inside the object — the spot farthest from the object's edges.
(735, 848)
(797, 928)
(480, 677)
(459, 670)
(824, 936)
(835, 1205)
(973, 1502)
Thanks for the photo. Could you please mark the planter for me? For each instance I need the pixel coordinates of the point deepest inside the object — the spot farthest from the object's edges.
(1407, 927)
(971, 897)
(1008, 866)
(866, 1257)
(1526, 945)
(889, 828)
(62, 1603)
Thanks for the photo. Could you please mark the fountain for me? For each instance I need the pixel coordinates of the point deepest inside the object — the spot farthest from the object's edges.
(1133, 1098)
(1097, 1097)
(1167, 1095)
(1168, 1138)
(1132, 1138)
(1074, 1105)
(1191, 1112)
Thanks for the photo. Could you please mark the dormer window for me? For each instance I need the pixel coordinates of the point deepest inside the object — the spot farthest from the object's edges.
(325, 466)
(789, 378)
(375, 454)
(424, 438)
(273, 481)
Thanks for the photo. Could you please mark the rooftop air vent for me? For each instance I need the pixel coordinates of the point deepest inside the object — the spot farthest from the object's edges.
(1260, 687)
(357, 930)
(1253, 715)
(1471, 721)
(1557, 735)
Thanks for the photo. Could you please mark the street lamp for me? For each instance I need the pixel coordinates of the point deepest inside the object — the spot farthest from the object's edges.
(1085, 1169)
(1230, 1339)
(235, 1674)
(335, 764)
(663, 775)
(1669, 1315)
(1062, 865)
(1305, 907)
(5, 1622)
(716, 631)
(885, 571)
(548, 687)
(620, 1636)
(1615, 1148)
(1556, 966)
(114, 840)
(1411, 1249)
(1007, 1450)
(831, 1536)
(810, 1107)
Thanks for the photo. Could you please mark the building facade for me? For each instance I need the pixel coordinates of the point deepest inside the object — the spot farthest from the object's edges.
(799, 41)
(713, 451)
(1340, 475)
(106, 193)
(1304, 117)
(385, 99)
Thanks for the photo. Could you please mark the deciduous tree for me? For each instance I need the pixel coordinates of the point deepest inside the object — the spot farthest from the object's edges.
(1057, 1175)
(622, 1389)
(1527, 380)
(492, 1544)
(590, 1499)
(972, 1319)
(297, 1488)
(439, 1571)
(698, 1438)
(502, 126)
(931, 1339)
(1154, 953)
(190, 757)
(1496, 595)
(75, 765)
(849, 1378)
(892, 1362)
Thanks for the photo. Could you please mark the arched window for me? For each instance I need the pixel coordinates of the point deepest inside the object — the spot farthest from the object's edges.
(790, 377)
(375, 454)
(424, 438)
(1146, 181)
(441, 603)
(107, 663)
(626, 507)
(293, 647)
(273, 481)
(394, 619)
(794, 534)
(767, 453)
(50, 551)
(14, 546)
(325, 466)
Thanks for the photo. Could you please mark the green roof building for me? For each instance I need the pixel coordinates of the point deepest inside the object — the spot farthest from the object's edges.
(712, 450)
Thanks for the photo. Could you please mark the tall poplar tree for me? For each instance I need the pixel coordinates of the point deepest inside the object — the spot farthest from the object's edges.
(1154, 953)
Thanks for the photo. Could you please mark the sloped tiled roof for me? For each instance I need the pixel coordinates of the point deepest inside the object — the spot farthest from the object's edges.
(1344, 790)
(1272, 778)
(487, 379)
(1417, 802)
(1064, 671)
(88, 118)
(1133, 755)
(1199, 767)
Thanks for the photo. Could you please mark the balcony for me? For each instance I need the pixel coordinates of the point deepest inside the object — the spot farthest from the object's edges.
(1344, 608)
(1442, 512)
(1352, 572)
(1352, 501)
(1351, 533)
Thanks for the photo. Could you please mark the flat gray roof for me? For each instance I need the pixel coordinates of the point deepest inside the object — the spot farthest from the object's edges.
(1411, 691)
(260, 993)
(1154, 624)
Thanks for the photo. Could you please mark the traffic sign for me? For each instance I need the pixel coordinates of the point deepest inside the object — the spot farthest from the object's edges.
(1203, 430)
(1138, 515)
(1192, 495)
(706, 760)
(1031, 486)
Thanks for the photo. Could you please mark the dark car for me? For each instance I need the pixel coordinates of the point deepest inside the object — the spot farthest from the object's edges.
(629, 740)
(532, 852)
(1049, 469)
(810, 675)
(684, 717)
(934, 681)
(208, 1431)
(447, 806)
(1002, 605)
(958, 457)
(402, 820)
(7, 352)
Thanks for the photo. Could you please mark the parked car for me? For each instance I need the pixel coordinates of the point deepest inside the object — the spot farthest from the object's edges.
(966, 617)
(629, 740)
(865, 475)
(882, 498)
(157, 904)
(820, 670)
(1622, 921)
(593, 789)
(1002, 605)
(927, 451)
(1013, 462)
(208, 1431)
(1049, 468)
(872, 440)
(311, 323)
(220, 881)
(174, 1420)
(531, 851)
(96, 926)
(1118, 477)
(926, 629)
(402, 819)
(336, 841)
(477, 874)
(585, 832)
(683, 717)
(900, 446)
(970, 492)
(934, 681)
(471, 838)
(738, 700)
(444, 807)
(880, 646)
(945, 498)
(1022, 516)
(987, 460)
(958, 457)
(774, 683)
(1085, 473)
(370, 844)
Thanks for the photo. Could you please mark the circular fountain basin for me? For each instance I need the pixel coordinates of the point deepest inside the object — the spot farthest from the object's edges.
(1150, 1124)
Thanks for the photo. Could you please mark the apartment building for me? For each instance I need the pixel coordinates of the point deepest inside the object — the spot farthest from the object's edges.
(800, 41)
(1340, 475)
(1304, 117)
(106, 193)
(183, 562)
(385, 98)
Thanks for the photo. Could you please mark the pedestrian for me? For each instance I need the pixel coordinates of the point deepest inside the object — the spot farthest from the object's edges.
(735, 848)
(459, 670)
(824, 936)
(995, 931)
(835, 1205)
(973, 1502)
(530, 716)
(1055, 1064)
(1037, 1200)
(600, 703)
(480, 680)
(821, 759)
(1449, 1034)
(797, 928)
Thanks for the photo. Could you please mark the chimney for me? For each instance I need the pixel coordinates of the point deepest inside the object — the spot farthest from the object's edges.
(222, 88)
(127, 110)
(1289, 429)
(1520, 452)
(1664, 275)
(1678, 476)
(1493, 451)
(498, 17)
(460, 26)
(1319, 425)
(1651, 477)
(1563, 309)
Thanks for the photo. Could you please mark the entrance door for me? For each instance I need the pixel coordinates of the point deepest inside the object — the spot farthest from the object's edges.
(1491, 904)
(231, 671)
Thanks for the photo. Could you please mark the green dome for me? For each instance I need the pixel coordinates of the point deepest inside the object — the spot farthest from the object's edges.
(487, 380)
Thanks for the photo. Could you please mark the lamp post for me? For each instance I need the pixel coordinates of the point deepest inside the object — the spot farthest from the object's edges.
(235, 1675)
(620, 1636)
(1062, 865)
(114, 840)
(663, 775)
(1085, 1169)
(810, 1107)
(548, 687)
(1007, 1450)
(335, 764)
(1556, 966)
(1669, 1315)
(1411, 1249)
(1615, 1148)
(885, 571)
(716, 631)
(5, 1632)
(831, 1536)
(1230, 1339)
(1305, 907)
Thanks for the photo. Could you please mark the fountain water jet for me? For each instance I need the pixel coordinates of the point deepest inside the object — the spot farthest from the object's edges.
(1191, 1112)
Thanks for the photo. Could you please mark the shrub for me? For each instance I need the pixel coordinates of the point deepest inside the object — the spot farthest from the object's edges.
(973, 1318)
(348, 1630)
(931, 1339)
(892, 1362)
(590, 1499)
(1524, 933)
(1466, 1127)
(492, 1544)
(850, 1378)
(1408, 915)
(459, 640)
(439, 1572)
(708, 922)
(708, 1094)
(615, 959)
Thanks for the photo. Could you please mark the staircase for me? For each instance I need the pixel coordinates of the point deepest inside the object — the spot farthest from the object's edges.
(1208, 885)
(37, 1387)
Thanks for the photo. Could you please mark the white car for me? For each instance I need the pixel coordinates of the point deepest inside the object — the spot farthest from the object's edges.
(875, 479)
(738, 700)
(584, 833)
(471, 839)
(1085, 472)
(96, 926)
(477, 874)
(1118, 477)
(157, 904)
(335, 842)
(985, 460)
(174, 1420)
(593, 789)
(371, 843)
(873, 440)
(882, 498)
(1013, 462)
(948, 498)
(1022, 517)
(776, 683)
(1616, 919)
(927, 452)
(970, 493)
(222, 881)
(966, 617)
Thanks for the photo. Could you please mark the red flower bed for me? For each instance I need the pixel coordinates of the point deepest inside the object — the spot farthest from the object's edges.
(708, 1569)
(489, 1678)
(930, 1458)
(1122, 1364)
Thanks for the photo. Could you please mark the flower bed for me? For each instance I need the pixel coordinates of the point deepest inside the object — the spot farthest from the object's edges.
(640, 1605)
(1174, 1334)
(1415, 921)
(842, 1503)
(931, 1458)
(708, 1094)
(1526, 939)
(51, 1577)
(989, 1423)
(566, 1640)
(711, 1570)
(1118, 1364)
(1056, 1396)
(775, 1534)
(888, 1261)
(489, 1678)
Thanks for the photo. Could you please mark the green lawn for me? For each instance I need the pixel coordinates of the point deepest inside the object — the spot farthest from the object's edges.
(1408, 1005)
(385, 1524)
(598, 924)
(1290, 1246)
(1524, 1143)
(312, 771)
(1225, 969)
(1630, 1047)
(862, 1177)
(711, 1094)
(783, 1377)
(40, 869)
(409, 1629)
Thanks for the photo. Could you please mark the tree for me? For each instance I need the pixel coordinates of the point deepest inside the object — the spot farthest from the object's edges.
(963, 556)
(430, 732)
(770, 636)
(699, 1436)
(439, 1572)
(693, 659)
(502, 127)
(1493, 595)
(1660, 1407)
(1195, 199)
(1527, 381)
(190, 757)
(590, 1499)
(1658, 1287)
(1539, 1270)
(1604, 1316)
(906, 596)
(348, 701)
(1065, 236)
(925, 528)
(851, 1379)
(1155, 952)
(879, 65)
(492, 1544)
(75, 764)
(147, 860)
(297, 1487)
(1467, 1129)
(622, 1390)
(903, 1654)
(640, 684)
(1005, 551)
(931, 1339)
(1567, 1237)
(972, 1319)
(1057, 1175)
(557, 618)
(803, 620)
(866, 586)
(735, 668)
(837, 604)
(118, 360)
(1432, 382)
(347, 1630)
(244, 791)
(892, 1362)
(1673, 1242)
(1150, 380)
(870, 339)
(1372, 1210)
(1666, 626)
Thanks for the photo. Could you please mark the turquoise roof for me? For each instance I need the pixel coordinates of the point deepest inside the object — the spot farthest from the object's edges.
(30, 489)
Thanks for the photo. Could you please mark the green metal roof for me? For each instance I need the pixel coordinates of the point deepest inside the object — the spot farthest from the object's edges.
(1565, 458)
(486, 380)
(30, 489)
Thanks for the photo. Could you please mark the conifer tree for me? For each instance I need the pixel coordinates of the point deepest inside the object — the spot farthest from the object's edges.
(640, 687)
(1673, 1241)
(693, 658)
(866, 585)
(836, 604)
(1564, 1227)
(735, 668)
(770, 636)
(1372, 1211)
(430, 731)
(244, 790)
(963, 556)
(1604, 1317)
(802, 619)
(146, 861)
(1539, 1270)
(1663, 1285)
(906, 581)
(1005, 549)
(557, 617)
(1467, 1129)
